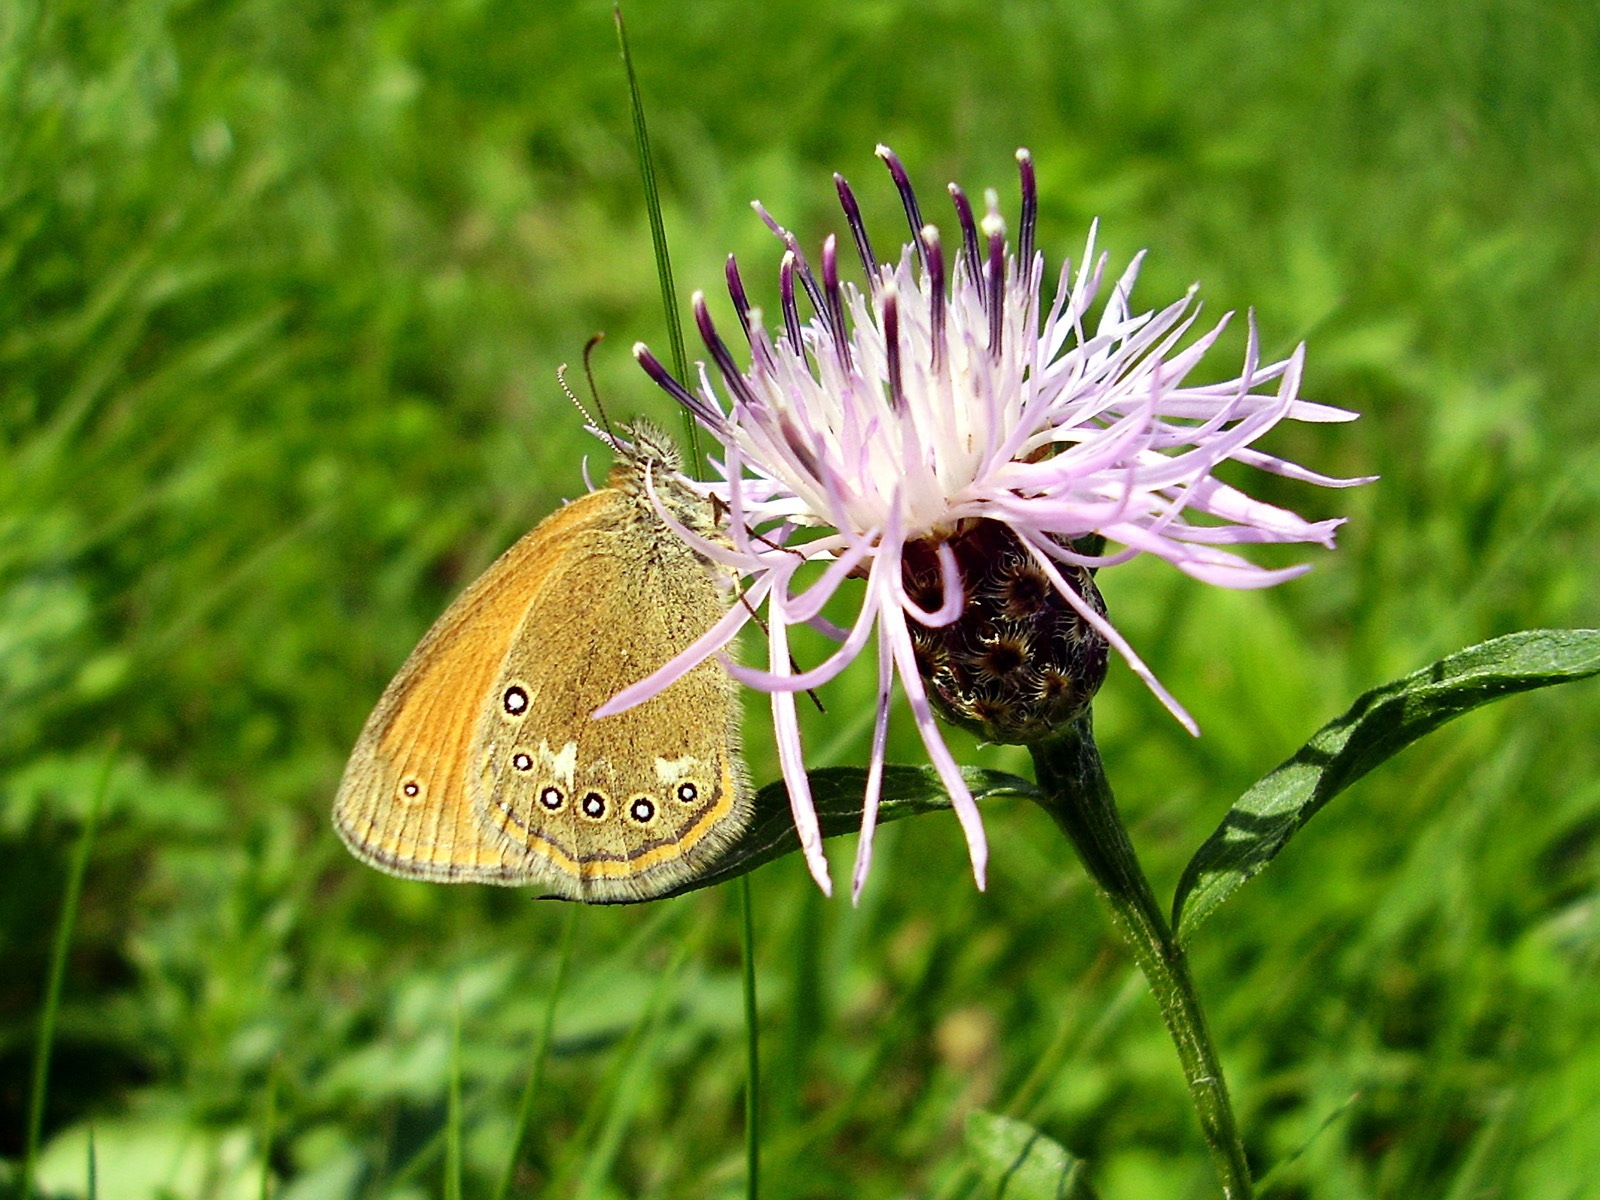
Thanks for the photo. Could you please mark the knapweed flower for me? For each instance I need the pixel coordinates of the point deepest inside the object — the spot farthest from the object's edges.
(960, 443)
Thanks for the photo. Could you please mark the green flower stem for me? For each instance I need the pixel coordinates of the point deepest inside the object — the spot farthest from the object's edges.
(1078, 797)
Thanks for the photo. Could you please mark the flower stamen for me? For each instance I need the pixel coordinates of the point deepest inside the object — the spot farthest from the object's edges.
(933, 259)
(858, 228)
(902, 181)
(736, 293)
(834, 312)
(731, 375)
(994, 273)
(791, 310)
(889, 298)
(1030, 214)
(969, 234)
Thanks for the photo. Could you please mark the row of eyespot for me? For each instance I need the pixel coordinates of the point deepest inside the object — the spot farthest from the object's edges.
(594, 804)
(642, 809)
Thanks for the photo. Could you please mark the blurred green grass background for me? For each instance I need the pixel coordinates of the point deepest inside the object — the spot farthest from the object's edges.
(282, 292)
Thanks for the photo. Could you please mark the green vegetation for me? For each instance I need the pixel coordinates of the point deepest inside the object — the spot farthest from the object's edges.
(283, 288)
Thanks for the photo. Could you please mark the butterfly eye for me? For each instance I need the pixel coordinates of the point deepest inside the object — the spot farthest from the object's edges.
(551, 798)
(688, 793)
(522, 761)
(594, 805)
(515, 700)
(641, 810)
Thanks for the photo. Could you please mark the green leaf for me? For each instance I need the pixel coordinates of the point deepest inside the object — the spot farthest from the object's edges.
(1378, 726)
(1020, 1163)
(837, 793)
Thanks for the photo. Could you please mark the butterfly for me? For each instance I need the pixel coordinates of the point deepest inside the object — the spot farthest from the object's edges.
(481, 762)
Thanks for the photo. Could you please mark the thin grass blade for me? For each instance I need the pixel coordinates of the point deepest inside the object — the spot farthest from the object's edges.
(58, 968)
(752, 1041)
(452, 1140)
(658, 228)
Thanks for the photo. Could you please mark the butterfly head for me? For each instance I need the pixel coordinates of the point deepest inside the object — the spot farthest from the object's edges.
(646, 452)
(648, 447)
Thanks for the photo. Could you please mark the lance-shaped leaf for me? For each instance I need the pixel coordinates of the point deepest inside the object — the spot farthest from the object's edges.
(837, 793)
(1018, 1162)
(1379, 725)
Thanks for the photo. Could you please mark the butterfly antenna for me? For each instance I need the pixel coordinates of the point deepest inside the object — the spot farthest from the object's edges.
(561, 378)
(604, 423)
(594, 389)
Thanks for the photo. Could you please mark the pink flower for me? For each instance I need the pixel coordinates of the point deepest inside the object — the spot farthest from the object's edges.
(946, 394)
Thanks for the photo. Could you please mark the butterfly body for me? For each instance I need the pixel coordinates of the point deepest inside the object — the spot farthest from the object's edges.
(481, 762)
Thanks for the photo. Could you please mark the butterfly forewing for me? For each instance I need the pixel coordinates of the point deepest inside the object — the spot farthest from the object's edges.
(404, 804)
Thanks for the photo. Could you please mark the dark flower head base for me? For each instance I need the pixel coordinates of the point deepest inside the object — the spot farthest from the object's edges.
(967, 445)
(1019, 662)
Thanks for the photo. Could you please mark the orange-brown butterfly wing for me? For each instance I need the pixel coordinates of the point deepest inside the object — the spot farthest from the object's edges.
(405, 805)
